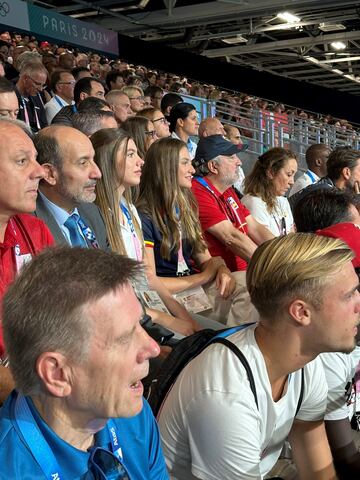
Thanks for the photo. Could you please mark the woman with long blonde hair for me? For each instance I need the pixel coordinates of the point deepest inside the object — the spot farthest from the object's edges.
(176, 249)
(116, 156)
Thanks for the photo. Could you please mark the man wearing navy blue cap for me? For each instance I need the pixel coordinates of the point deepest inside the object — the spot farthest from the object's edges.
(230, 231)
(78, 352)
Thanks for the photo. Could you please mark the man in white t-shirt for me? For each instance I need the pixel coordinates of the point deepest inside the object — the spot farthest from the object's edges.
(316, 157)
(342, 373)
(210, 423)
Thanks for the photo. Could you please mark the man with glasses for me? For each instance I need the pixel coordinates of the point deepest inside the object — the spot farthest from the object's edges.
(84, 88)
(62, 84)
(31, 83)
(78, 352)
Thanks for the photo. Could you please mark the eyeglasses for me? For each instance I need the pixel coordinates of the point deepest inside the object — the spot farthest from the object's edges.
(151, 133)
(161, 120)
(72, 82)
(136, 98)
(103, 465)
(38, 84)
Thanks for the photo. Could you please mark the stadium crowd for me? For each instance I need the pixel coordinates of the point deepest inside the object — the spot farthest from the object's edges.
(129, 232)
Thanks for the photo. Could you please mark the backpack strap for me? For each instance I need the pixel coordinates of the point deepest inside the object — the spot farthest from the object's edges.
(301, 391)
(243, 360)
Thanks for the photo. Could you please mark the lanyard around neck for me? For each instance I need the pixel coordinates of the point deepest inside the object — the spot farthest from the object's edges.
(230, 202)
(135, 239)
(39, 447)
(59, 102)
(311, 176)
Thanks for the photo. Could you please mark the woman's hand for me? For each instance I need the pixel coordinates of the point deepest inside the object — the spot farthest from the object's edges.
(225, 282)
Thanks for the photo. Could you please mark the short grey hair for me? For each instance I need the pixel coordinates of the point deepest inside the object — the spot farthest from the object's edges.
(44, 310)
(202, 169)
(28, 59)
(18, 123)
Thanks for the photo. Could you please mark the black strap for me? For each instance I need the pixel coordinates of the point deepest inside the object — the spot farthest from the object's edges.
(249, 374)
(301, 392)
(243, 360)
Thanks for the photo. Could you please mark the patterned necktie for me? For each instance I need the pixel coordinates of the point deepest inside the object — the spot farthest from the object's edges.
(76, 239)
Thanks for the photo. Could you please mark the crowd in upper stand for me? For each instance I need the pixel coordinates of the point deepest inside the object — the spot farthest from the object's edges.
(235, 107)
(169, 239)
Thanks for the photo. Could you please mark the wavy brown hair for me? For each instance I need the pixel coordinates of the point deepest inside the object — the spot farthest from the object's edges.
(258, 183)
(107, 143)
(161, 198)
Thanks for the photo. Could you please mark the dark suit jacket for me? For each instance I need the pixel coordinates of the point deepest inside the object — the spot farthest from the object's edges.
(32, 104)
(90, 214)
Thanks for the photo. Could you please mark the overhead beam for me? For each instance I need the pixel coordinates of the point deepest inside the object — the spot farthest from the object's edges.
(312, 77)
(211, 12)
(289, 65)
(306, 70)
(282, 44)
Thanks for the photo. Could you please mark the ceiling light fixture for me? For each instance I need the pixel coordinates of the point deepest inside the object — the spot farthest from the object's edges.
(234, 39)
(338, 45)
(288, 17)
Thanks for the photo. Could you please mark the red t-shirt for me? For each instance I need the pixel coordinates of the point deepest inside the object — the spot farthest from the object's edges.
(24, 235)
(215, 207)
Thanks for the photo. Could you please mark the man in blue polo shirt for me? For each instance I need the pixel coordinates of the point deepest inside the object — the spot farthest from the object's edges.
(77, 350)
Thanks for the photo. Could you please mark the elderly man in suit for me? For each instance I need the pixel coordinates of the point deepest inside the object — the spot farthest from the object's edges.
(67, 191)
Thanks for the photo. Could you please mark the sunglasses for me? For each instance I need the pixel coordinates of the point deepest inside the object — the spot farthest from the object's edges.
(104, 465)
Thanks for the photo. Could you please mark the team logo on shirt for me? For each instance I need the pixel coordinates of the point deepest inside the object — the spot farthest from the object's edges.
(232, 203)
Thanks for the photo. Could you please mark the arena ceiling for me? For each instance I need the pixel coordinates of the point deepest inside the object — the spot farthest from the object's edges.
(244, 32)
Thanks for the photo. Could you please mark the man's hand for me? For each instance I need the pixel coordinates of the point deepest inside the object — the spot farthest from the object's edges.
(225, 282)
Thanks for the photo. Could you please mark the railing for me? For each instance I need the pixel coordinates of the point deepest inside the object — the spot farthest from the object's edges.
(262, 130)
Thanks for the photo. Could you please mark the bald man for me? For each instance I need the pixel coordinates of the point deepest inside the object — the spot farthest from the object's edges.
(211, 126)
(67, 191)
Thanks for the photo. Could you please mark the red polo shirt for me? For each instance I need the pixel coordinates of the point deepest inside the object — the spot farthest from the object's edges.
(214, 208)
(24, 235)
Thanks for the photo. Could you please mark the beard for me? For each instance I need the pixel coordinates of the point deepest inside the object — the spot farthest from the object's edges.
(77, 194)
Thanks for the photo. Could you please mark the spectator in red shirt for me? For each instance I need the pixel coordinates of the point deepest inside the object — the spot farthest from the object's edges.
(229, 229)
(21, 235)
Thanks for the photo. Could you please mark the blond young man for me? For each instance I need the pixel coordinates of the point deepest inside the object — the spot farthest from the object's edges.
(305, 290)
